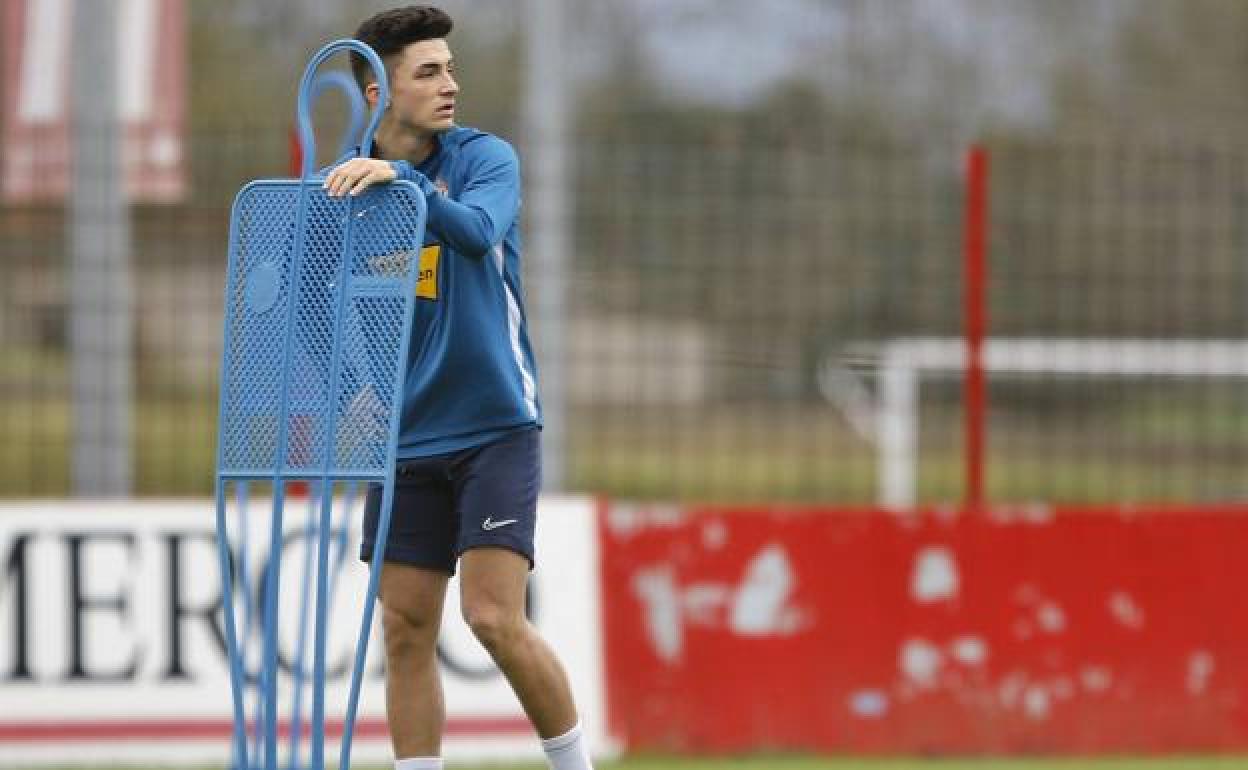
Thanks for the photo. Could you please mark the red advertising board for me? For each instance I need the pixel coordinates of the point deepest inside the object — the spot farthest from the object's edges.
(1019, 630)
(36, 58)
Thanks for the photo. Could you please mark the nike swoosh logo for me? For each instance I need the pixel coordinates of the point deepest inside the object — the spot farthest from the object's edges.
(489, 523)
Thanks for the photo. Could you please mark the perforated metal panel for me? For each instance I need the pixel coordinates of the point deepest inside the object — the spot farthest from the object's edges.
(318, 303)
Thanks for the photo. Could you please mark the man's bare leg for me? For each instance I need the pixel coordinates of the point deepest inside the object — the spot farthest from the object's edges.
(492, 595)
(412, 599)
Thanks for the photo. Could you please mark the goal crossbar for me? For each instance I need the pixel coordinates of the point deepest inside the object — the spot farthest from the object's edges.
(903, 362)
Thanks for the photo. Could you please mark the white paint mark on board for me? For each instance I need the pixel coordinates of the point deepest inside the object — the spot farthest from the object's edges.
(1050, 617)
(1010, 688)
(1027, 593)
(1036, 704)
(1126, 610)
(626, 520)
(1095, 679)
(935, 575)
(703, 603)
(920, 662)
(656, 588)
(1200, 667)
(969, 650)
(761, 605)
(868, 704)
(714, 535)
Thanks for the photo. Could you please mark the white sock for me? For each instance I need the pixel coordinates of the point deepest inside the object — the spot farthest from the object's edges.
(418, 763)
(567, 751)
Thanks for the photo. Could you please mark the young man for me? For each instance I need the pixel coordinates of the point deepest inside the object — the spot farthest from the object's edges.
(468, 476)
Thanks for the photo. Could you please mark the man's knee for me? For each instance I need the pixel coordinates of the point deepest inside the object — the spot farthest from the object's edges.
(411, 609)
(408, 632)
(494, 626)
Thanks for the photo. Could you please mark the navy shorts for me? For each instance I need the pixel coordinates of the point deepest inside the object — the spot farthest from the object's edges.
(446, 504)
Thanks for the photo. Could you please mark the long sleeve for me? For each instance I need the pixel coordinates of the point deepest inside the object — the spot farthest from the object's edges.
(486, 207)
(472, 378)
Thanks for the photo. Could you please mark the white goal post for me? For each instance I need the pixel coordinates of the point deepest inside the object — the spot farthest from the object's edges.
(903, 362)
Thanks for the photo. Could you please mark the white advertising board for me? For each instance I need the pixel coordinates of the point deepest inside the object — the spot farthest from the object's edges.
(112, 647)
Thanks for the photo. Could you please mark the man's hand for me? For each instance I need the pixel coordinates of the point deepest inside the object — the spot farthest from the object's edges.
(357, 175)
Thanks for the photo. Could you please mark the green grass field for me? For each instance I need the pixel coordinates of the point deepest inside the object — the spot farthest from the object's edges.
(175, 444)
(759, 452)
(814, 763)
(776, 763)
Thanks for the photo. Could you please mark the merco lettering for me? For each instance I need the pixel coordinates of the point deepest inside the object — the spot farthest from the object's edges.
(111, 605)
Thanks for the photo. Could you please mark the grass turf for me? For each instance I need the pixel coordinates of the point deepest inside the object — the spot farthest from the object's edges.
(827, 763)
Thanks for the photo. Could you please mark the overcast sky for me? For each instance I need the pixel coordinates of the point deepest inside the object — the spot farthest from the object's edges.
(731, 51)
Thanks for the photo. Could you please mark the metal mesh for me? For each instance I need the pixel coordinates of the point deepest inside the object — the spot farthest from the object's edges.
(317, 377)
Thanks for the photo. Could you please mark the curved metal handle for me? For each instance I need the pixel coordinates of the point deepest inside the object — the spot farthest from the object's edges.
(357, 109)
(304, 119)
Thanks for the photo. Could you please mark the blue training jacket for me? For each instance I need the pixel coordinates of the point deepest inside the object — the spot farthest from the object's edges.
(471, 376)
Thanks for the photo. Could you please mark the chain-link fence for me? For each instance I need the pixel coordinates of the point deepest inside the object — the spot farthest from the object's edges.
(748, 265)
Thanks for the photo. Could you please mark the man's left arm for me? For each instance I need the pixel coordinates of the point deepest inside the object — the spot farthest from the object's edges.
(471, 225)
(486, 207)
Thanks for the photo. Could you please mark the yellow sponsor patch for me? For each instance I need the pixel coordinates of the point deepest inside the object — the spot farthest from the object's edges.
(427, 277)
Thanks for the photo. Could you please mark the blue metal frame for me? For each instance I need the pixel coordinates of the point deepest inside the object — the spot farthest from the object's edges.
(357, 109)
(304, 226)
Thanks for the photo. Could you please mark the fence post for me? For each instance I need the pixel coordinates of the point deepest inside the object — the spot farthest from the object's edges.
(101, 320)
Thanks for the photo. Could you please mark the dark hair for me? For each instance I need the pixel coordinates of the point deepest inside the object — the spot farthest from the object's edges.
(389, 32)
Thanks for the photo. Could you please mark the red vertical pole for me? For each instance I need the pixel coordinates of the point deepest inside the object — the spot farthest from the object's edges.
(975, 273)
(295, 154)
(299, 425)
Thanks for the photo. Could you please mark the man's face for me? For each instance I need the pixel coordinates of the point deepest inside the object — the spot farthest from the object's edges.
(423, 87)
